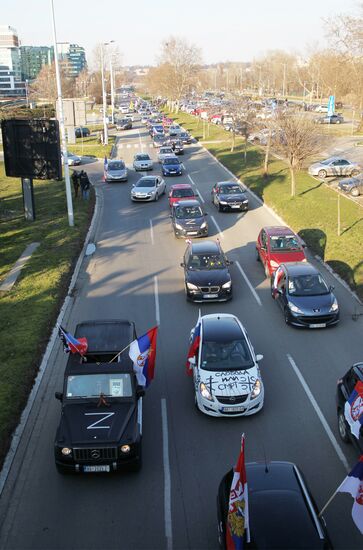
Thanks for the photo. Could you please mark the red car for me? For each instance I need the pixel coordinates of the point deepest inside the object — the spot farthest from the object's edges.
(181, 192)
(277, 245)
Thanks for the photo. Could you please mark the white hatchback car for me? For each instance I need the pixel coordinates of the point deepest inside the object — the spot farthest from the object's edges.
(226, 375)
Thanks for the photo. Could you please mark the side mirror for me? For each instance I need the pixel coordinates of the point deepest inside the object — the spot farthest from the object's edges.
(206, 213)
(182, 263)
(192, 361)
(259, 357)
(140, 392)
(331, 288)
(59, 395)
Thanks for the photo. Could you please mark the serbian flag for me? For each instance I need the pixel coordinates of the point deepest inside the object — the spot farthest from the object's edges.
(194, 346)
(72, 344)
(353, 409)
(353, 484)
(143, 353)
(237, 518)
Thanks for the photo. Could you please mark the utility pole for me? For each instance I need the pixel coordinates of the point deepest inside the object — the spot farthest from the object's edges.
(112, 92)
(104, 102)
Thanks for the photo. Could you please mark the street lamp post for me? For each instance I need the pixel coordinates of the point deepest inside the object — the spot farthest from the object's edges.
(112, 92)
(27, 92)
(104, 102)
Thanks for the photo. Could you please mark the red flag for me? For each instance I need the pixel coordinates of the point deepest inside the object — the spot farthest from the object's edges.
(237, 519)
(194, 346)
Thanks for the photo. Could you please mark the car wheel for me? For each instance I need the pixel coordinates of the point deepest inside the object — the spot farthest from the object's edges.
(220, 208)
(286, 317)
(355, 173)
(322, 174)
(156, 197)
(257, 256)
(355, 192)
(343, 427)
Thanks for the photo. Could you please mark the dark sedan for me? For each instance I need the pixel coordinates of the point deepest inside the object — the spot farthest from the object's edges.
(188, 219)
(304, 297)
(353, 186)
(330, 119)
(206, 273)
(228, 195)
(124, 124)
(82, 131)
(185, 138)
(282, 512)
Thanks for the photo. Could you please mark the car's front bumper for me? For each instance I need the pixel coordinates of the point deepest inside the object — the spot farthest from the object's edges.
(139, 168)
(194, 233)
(214, 408)
(241, 206)
(169, 173)
(314, 321)
(142, 198)
(220, 295)
(118, 461)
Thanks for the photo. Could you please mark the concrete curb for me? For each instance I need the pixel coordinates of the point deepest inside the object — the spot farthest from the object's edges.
(44, 364)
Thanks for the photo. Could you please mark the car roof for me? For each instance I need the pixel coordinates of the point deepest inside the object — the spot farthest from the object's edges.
(300, 268)
(273, 230)
(228, 183)
(204, 247)
(151, 177)
(221, 328)
(181, 186)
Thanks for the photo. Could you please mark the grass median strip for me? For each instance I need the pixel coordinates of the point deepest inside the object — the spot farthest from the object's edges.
(92, 147)
(28, 311)
(313, 213)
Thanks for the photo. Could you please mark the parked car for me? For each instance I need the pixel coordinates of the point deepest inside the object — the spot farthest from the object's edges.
(142, 161)
(206, 272)
(73, 160)
(345, 387)
(180, 192)
(164, 152)
(115, 170)
(123, 124)
(303, 296)
(188, 219)
(329, 119)
(282, 511)
(225, 353)
(82, 131)
(276, 245)
(228, 195)
(321, 108)
(334, 166)
(171, 166)
(148, 188)
(353, 185)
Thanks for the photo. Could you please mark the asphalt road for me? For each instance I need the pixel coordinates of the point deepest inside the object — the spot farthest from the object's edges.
(171, 503)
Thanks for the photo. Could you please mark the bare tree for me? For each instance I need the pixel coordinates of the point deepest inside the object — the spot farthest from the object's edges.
(298, 140)
(45, 86)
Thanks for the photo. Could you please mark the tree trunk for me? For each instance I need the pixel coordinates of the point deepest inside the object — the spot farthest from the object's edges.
(245, 150)
(293, 183)
(267, 154)
(233, 141)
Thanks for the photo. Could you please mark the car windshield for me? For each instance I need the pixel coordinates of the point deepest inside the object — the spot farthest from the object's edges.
(327, 161)
(231, 189)
(206, 261)
(93, 385)
(147, 182)
(223, 356)
(308, 285)
(115, 166)
(186, 192)
(285, 243)
(166, 151)
(183, 212)
(171, 160)
(142, 157)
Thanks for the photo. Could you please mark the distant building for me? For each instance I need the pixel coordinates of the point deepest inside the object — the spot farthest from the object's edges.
(33, 58)
(10, 69)
(73, 58)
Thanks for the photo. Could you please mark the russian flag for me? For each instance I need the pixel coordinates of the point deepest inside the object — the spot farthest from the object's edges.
(353, 484)
(353, 409)
(72, 344)
(143, 353)
(237, 518)
(194, 346)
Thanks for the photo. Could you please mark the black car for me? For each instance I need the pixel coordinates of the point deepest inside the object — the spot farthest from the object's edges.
(228, 195)
(82, 131)
(188, 219)
(176, 145)
(124, 124)
(185, 138)
(282, 512)
(206, 273)
(303, 295)
(353, 185)
(159, 140)
(101, 418)
(345, 386)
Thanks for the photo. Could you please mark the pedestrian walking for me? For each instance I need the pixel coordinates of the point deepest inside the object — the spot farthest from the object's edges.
(75, 181)
(85, 185)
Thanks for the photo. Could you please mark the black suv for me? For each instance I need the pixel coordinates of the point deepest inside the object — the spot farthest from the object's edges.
(206, 273)
(101, 419)
(345, 387)
(188, 219)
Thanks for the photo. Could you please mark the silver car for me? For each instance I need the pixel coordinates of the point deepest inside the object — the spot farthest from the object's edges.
(142, 161)
(334, 166)
(73, 160)
(148, 188)
(165, 152)
(115, 170)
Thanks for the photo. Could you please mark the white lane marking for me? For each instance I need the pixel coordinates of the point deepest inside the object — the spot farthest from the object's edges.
(140, 141)
(151, 229)
(195, 185)
(167, 478)
(321, 417)
(256, 296)
(200, 196)
(217, 226)
(157, 307)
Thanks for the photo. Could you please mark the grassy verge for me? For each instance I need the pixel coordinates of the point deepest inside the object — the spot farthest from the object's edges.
(89, 146)
(29, 310)
(312, 212)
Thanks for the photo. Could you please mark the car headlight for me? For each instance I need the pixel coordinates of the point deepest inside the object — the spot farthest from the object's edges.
(190, 286)
(150, 194)
(204, 392)
(294, 308)
(125, 449)
(256, 389)
(204, 224)
(66, 451)
(245, 201)
(223, 202)
(334, 306)
(274, 264)
(178, 226)
(227, 285)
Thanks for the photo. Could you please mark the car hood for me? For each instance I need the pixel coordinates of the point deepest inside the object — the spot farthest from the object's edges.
(208, 277)
(116, 173)
(282, 257)
(148, 161)
(229, 383)
(172, 166)
(308, 304)
(232, 198)
(143, 190)
(87, 423)
(193, 222)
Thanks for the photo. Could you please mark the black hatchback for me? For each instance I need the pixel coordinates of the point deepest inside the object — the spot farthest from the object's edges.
(228, 195)
(345, 387)
(206, 273)
(188, 219)
(282, 512)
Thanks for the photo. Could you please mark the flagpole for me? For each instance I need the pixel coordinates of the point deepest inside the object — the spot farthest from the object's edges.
(119, 353)
(327, 504)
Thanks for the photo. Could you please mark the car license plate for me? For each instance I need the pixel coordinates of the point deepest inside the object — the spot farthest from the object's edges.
(318, 325)
(233, 409)
(192, 232)
(236, 206)
(90, 469)
(210, 295)
(172, 171)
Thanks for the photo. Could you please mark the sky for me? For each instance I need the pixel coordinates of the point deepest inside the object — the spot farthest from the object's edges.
(224, 30)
